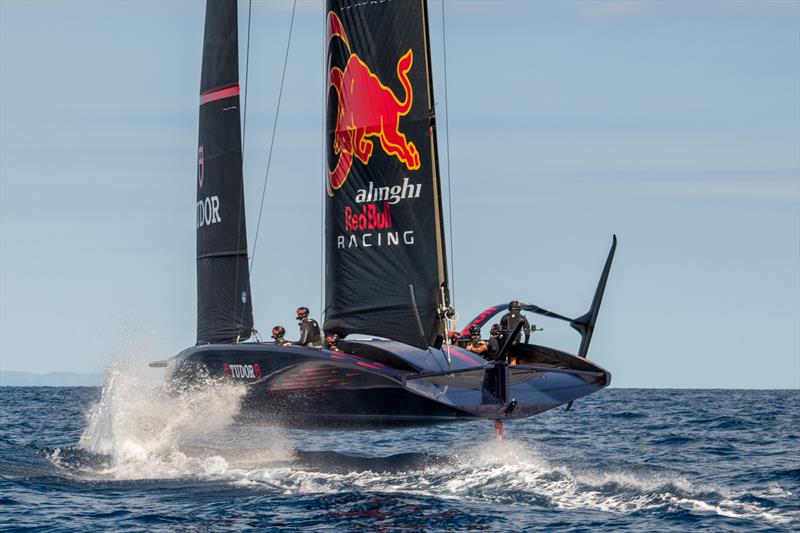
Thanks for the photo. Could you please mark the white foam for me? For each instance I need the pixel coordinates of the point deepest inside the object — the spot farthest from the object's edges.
(150, 431)
(510, 472)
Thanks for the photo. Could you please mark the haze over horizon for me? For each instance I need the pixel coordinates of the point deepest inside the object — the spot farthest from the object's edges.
(675, 125)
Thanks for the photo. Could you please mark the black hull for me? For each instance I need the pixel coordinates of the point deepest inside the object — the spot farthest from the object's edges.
(387, 384)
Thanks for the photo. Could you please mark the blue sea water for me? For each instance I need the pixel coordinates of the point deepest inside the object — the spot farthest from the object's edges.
(130, 457)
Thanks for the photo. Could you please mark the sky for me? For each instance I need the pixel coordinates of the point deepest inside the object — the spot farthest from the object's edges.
(674, 125)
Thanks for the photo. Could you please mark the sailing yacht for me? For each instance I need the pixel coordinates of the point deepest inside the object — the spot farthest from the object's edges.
(387, 295)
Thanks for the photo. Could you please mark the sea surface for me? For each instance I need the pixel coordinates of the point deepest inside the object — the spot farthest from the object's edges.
(128, 456)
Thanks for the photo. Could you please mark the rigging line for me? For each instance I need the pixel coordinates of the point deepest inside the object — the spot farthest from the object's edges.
(324, 169)
(241, 184)
(449, 179)
(274, 129)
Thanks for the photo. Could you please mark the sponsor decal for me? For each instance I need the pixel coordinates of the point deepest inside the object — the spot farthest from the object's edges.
(200, 165)
(242, 371)
(391, 195)
(367, 110)
(374, 226)
(369, 218)
(208, 211)
(381, 238)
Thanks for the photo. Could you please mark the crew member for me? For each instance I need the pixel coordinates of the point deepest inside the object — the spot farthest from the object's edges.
(477, 345)
(493, 345)
(309, 329)
(332, 342)
(510, 321)
(277, 334)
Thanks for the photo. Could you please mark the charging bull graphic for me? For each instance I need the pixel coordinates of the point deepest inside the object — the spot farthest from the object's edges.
(367, 108)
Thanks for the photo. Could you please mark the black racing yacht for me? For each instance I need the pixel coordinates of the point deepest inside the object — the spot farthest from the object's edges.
(387, 296)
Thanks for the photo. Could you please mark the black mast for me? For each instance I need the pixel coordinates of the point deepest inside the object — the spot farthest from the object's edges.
(441, 247)
(224, 309)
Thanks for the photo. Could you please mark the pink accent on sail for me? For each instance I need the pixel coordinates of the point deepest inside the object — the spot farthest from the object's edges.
(219, 94)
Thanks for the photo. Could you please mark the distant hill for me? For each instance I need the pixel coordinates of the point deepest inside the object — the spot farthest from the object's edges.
(10, 378)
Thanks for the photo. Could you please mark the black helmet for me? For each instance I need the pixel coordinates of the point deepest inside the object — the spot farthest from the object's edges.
(475, 331)
(495, 331)
(278, 332)
(302, 312)
(514, 305)
(331, 339)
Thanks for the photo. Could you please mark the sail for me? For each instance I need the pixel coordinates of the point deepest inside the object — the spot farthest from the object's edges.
(385, 262)
(224, 310)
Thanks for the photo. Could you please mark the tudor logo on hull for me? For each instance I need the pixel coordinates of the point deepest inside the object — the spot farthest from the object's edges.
(242, 371)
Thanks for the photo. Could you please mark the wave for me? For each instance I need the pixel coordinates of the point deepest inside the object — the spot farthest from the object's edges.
(142, 429)
(506, 473)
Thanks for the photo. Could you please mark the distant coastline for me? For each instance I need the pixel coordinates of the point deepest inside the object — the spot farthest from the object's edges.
(11, 378)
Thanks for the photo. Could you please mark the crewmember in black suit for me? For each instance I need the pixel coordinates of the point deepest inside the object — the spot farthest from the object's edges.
(511, 319)
(309, 329)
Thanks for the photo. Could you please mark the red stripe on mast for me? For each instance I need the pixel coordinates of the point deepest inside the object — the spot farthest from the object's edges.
(219, 94)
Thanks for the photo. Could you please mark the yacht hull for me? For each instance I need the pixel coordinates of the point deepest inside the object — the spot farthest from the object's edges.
(387, 384)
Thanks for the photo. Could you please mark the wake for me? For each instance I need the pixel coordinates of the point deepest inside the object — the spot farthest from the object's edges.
(142, 429)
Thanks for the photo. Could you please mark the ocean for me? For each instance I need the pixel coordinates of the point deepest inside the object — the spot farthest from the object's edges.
(128, 456)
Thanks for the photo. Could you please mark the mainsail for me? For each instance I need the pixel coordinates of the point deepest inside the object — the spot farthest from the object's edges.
(224, 310)
(386, 271)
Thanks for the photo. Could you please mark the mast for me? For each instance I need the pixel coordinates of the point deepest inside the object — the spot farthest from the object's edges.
(386, 270)
(224, 308)
(437, 182)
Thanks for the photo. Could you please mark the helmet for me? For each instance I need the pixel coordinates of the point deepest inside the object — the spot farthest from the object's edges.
(302, 312)
(278, 331)
(514, 305)
(495, 331)
(475, 331)
(331, 339)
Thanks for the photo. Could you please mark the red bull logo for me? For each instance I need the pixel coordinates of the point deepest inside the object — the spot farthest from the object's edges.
(367, 109)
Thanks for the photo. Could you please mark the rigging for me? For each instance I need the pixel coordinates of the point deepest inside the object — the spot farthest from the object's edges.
(449, 179)
(274, 129)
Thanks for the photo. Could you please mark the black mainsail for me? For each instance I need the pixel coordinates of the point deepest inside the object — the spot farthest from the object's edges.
(386, 270)
(224, 309)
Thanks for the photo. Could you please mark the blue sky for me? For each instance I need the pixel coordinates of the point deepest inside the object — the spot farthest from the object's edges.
(675, 125)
